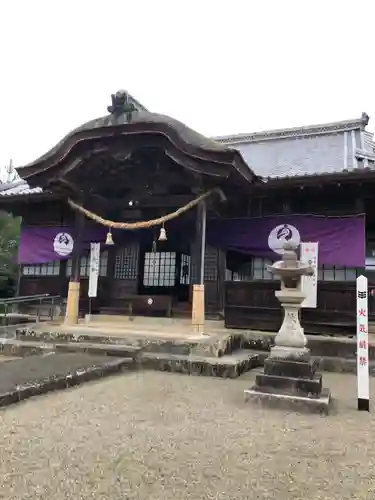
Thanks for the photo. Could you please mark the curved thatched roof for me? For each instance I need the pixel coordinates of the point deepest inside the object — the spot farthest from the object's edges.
(128, 118)
(143, 118)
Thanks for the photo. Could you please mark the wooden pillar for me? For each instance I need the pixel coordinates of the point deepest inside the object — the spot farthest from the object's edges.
(72, 305)
(360, 207)
(198, 308)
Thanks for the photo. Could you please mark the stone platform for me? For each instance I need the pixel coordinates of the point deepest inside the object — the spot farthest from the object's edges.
(175, 338)
(172, 348)
(291, 383)
(336, 354)
(119, 336)
(55, 356)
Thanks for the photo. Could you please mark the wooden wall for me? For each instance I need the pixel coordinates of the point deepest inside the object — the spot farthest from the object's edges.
(253, 305)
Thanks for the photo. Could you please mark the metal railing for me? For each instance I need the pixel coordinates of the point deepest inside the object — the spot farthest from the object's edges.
(41, 300)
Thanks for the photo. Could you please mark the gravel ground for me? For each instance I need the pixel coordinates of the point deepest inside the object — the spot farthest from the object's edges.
(152, 435)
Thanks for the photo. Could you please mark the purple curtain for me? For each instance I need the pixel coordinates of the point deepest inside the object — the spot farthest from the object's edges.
(342, 240)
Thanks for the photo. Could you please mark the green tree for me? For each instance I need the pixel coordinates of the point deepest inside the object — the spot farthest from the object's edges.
(10, 228)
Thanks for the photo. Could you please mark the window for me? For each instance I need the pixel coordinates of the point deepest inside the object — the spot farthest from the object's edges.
(84, 265)
(248, 271)
(325, 273)
(260, 270)
(257, 270)
(337, 273)
(185, 270)
(47, 269)
(126, 263)
(243, 273)
(103, 264)
(210, 264)
(159, 269)
(370, 264)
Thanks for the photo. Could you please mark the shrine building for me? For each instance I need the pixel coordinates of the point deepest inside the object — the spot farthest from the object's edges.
(188, 225)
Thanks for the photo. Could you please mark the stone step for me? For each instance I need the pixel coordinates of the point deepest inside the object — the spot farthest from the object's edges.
(214, 345)
(145, 321)
(112, 335)
(293, 368)
(289, 385)
(24, 348)
(229, 366)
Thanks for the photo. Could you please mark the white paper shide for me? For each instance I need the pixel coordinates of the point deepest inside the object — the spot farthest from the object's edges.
(94, 269)
(363, 380)
(309, 284)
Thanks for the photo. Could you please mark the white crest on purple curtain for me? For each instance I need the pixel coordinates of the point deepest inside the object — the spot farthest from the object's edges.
(63, 244)
(282, 234)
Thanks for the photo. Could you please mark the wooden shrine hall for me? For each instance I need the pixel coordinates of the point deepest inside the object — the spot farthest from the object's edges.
(156, 175)
(188, 224)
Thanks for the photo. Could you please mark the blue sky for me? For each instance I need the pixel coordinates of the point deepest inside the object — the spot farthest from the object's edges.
(221, 67)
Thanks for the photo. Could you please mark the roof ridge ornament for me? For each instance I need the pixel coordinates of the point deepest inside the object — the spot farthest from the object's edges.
(121, 104)
(365, 118)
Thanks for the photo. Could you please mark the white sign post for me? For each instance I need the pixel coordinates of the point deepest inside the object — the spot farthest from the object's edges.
(363, 379)
(309, 284)
(94, 269)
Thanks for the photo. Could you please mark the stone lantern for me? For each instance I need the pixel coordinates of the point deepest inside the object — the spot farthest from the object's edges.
(289, 372)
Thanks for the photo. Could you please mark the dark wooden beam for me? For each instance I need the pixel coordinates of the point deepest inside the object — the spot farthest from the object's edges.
(128, 202)
(103, 178)
(79, 224)
(196, 248)
(150, 200)
(360, 205)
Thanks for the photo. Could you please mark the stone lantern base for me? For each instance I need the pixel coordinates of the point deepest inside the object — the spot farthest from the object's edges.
(287, 382)
(290, 375)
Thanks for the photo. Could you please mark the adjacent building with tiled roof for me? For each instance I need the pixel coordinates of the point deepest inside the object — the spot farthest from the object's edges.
(19, 187)
(329, 148)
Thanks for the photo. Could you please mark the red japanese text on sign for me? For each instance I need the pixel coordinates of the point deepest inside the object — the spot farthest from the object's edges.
(362, 344)
(362, 312)
(363, 360)
(362, 328)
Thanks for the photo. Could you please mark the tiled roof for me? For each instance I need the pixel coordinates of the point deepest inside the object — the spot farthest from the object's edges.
(369, 142)
(307, 151)
(17, 188)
